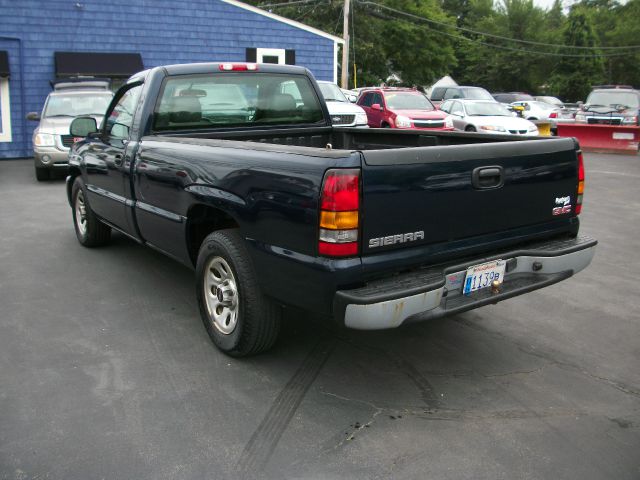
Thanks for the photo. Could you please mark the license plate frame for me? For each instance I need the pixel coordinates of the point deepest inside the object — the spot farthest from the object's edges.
(483, 275)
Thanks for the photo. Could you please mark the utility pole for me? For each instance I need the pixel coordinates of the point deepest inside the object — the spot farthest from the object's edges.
(345, 47)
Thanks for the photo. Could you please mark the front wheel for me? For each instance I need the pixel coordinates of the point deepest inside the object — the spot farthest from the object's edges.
(470, 128)
(238, 317)
(90, 231)
(42, 174)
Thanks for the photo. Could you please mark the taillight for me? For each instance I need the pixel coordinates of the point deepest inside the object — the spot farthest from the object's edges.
(339, 213)
(553, 115)
(580, 183)
(237, 67)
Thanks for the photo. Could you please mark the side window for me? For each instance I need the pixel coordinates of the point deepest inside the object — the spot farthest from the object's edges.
(120, 118)
(437, 93)
(377, 98)
(446, 106)
(367, 100)
(290, 88)
(456, 109)
(452, 93)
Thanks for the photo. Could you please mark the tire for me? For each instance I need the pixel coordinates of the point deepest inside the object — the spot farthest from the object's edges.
(470, 128)
(239, 319)
(90, 231)
(42, 174)
(385, 125)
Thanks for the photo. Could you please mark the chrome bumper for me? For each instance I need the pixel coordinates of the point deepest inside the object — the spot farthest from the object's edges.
(433, 293)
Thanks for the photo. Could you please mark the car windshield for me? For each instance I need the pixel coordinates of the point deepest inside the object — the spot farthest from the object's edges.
(613, 98)
(77, 104)
(477, 94)
(408, 101)
(332, 92)
(238, 99)
(487, 108)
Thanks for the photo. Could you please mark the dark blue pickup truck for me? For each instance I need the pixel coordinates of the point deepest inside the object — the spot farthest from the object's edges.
(236, 171)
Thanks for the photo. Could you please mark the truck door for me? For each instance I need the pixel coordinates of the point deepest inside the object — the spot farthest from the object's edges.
(108, 161)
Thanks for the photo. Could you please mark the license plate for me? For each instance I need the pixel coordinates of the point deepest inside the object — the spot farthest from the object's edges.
(482, 276)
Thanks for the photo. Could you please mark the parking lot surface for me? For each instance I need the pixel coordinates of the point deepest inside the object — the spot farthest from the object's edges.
(106, 370)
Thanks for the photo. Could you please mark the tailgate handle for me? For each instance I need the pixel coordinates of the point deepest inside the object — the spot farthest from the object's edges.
(484, 178)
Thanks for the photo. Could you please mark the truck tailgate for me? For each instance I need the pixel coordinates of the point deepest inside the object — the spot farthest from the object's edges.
(427, 195)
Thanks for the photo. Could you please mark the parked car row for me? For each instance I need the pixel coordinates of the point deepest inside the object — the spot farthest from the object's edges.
(464, 108)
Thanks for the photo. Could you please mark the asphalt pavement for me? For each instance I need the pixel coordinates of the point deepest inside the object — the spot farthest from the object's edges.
(106, 371)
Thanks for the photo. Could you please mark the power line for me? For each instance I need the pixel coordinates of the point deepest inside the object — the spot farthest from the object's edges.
(491, 45)
(529, 42)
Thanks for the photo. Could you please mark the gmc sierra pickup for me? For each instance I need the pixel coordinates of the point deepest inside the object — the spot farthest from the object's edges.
(236, 171)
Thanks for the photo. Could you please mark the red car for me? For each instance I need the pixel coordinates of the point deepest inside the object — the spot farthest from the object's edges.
(388, 107)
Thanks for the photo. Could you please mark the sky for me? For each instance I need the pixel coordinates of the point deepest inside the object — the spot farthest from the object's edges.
(546, 4)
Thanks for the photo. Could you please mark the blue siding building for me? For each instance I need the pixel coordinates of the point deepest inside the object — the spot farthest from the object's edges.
(36, 34)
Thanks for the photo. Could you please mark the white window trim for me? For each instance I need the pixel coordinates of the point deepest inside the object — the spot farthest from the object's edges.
(288, 21)
(5, 134)
(271, 52)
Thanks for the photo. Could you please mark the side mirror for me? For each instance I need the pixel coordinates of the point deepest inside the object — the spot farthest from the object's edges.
(579, 104)
(352, 98)
(33, 116)
(377, 106)
(83, 127)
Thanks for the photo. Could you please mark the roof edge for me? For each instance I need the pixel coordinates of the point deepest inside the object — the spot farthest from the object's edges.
(288, 21)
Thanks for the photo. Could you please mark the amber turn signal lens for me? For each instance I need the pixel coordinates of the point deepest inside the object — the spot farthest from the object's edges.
(339, 220)
(580, 188)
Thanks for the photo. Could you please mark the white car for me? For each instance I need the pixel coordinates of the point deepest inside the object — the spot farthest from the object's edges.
(342, 112)
(539, 111)
(486, 116)
(352, 95)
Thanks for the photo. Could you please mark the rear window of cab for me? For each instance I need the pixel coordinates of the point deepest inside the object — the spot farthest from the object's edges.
(238, 99)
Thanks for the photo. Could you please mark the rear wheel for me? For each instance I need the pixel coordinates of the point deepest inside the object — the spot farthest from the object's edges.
(470, 128)
(90, 231)
(42, 174)
(238, 317)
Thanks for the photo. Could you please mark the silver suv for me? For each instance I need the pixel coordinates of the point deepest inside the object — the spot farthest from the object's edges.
(51, 138)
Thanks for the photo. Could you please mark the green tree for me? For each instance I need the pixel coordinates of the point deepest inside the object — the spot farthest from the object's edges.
(500, 64)
(386, 42)
(573, 77)
(625, 69)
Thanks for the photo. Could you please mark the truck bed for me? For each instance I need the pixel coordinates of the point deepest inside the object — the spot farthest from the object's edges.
(354, 138)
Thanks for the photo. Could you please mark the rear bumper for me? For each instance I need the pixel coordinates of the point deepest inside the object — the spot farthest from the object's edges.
(437, 292)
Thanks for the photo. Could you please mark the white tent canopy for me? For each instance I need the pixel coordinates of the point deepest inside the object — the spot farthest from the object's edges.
(445, 81)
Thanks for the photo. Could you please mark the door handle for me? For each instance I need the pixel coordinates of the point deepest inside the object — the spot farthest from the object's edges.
(117, 159)
(484, 178)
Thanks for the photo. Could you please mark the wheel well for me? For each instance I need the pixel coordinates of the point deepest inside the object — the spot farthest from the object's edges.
(73, 173)
(201, 221)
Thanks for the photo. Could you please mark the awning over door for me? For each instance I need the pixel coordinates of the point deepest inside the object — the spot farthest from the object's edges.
(70, 64)
(4, 64)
